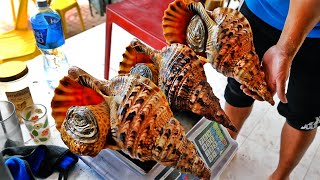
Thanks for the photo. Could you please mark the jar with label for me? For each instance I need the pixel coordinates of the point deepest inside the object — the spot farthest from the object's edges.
(14, 85)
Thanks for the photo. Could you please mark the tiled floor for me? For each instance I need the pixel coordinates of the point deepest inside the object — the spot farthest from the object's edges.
(259, 139)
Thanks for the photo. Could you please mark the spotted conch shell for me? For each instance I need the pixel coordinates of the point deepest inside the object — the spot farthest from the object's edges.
(181, 77)
(132, 114)
(224, 37)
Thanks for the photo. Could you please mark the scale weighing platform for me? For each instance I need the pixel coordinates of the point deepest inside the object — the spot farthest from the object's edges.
(212, 141)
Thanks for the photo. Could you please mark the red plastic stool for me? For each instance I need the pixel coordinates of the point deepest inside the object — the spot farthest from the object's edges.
(141, 18)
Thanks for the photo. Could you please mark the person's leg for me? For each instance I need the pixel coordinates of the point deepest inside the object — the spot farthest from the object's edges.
(294, 143)
(237, 115)
(302, 110)
(238, 105)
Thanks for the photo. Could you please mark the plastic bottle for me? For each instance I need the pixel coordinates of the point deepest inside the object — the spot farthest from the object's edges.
(48, 32)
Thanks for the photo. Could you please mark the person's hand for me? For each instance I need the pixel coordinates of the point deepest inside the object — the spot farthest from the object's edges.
(276, 65)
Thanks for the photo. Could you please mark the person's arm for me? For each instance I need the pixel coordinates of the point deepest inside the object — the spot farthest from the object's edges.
(303, 15)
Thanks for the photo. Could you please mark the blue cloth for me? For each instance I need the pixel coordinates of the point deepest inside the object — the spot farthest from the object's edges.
(40, 161)
(35, 159)
(18, 169)
(66, 161)
(274, 13)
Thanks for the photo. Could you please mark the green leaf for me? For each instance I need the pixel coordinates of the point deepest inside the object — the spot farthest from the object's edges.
(28, 115)
(46, 123)
(43, 139)
(35, 133)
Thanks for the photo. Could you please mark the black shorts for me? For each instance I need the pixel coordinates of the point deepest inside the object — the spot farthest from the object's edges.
(303, 108)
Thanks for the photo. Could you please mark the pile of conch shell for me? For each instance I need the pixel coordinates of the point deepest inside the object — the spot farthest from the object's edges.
(223, 36)
(128, 113)
(179, 73)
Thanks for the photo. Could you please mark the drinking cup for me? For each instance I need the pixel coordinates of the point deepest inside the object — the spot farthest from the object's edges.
(36, 120)
(10, 130)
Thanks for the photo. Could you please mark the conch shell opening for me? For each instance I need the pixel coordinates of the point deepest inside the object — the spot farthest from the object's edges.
(69, 93)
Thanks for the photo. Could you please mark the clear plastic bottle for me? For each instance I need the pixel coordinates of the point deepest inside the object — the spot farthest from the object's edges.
(48, 32)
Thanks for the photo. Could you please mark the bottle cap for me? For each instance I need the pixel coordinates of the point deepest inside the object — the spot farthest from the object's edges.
(42, 3)
(12, 70)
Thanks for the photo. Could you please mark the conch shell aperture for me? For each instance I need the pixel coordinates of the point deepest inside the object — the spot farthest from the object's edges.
(228, 41)
(129, 112)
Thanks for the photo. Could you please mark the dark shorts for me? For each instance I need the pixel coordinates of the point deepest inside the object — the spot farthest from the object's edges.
(303, 108)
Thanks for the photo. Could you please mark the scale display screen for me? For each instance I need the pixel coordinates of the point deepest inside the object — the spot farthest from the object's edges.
(211, 143)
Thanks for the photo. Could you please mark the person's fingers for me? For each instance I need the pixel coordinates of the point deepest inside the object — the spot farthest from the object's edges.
(271, 85)
(252, 94)
(281, 88)
(246, 90)
(256, 97)
(272, 89)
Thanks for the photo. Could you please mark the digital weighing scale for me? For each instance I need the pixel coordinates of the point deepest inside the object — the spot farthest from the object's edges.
(212, 141)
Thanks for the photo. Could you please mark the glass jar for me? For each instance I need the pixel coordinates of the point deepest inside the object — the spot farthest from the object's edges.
(14, 84)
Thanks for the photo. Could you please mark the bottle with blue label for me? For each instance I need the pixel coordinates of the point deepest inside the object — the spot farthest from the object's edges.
(48, 32)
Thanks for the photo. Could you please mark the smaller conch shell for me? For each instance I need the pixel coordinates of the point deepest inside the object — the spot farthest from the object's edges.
(181, 78)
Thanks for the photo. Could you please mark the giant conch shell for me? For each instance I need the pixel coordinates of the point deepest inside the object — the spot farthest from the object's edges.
(223, 36)
(129, 112)
(181, 77)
